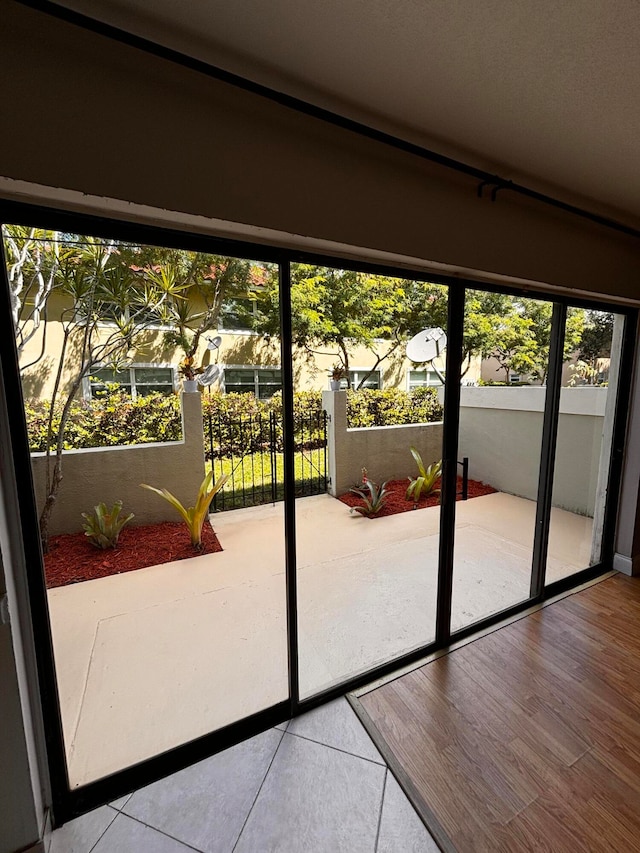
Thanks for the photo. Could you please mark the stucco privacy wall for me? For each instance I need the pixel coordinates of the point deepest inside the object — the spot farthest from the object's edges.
(501, 433)
(383, 451)
(115, 473)
(176, 140)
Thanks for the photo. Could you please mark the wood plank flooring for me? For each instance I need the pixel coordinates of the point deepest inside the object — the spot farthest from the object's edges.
(527, 739)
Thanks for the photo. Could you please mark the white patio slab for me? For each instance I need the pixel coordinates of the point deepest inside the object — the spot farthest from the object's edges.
(150, 659)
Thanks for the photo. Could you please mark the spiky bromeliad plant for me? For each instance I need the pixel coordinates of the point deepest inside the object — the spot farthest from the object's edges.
(374, 497)
(104, 525)
(194, 516)
(424, 483)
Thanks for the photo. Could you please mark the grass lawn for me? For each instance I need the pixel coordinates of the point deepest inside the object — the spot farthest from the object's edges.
(250, 481)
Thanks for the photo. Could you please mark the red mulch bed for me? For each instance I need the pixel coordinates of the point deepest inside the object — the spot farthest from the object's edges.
(72, 558)
(397, 502)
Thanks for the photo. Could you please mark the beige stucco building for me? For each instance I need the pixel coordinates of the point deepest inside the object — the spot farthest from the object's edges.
(247, 362)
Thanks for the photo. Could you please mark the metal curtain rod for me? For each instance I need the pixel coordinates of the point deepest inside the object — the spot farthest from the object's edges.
(297, 104)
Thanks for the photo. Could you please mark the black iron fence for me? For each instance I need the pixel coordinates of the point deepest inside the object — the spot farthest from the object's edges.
(249, 448)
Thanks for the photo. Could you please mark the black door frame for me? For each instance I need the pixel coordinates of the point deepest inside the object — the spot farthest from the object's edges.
(68, 803)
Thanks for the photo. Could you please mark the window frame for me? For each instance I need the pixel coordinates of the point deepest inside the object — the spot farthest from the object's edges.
(111, 324)
(87, 385)
(256, 381)
(428, 384)
(365, 370)
(231, 331)
(69, 803)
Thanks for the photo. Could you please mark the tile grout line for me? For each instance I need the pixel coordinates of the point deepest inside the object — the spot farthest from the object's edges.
(119, 810)
(380, 763)
(255, 799)
(384, 790)
(423, 811)
(106, 829)
(154, 828)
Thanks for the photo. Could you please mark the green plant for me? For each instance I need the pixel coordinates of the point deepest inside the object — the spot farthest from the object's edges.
(103, 525)
(374, 497)
(194, 516)
(424, 483)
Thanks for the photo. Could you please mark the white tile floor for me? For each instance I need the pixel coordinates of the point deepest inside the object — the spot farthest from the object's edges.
(317, 785)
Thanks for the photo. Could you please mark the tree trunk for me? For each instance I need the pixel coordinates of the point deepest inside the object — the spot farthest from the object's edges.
(345, 361)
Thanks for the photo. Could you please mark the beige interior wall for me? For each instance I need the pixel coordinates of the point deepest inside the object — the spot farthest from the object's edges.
(125, 125)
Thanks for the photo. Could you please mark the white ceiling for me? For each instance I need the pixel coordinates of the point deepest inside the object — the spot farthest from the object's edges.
(542, 91)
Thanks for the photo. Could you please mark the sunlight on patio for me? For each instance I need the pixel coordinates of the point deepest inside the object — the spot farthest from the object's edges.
(153, 658)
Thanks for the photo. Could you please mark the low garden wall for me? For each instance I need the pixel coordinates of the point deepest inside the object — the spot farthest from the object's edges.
(501, 433)
(383, 451)
(114, 473)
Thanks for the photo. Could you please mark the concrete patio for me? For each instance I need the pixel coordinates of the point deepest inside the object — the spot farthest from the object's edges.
(153, 658)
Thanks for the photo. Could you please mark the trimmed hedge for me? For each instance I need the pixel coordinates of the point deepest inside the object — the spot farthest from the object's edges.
(392, 407)
(109, 421)
(116, 419)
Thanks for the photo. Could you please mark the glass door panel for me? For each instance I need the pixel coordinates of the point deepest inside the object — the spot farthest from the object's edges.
(366, 571)
(585, 426)
(158, 639)
(505, 363)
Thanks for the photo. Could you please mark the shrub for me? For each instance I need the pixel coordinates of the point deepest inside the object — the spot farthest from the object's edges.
(424, 484)
(194, 516)
(373, 496)
(103, 526)
(109, 421)
(392, 406)
(116, 419)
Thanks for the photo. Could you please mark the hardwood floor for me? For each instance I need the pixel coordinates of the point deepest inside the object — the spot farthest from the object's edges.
(528, 738)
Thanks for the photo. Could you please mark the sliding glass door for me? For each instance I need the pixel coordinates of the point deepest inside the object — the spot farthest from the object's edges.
(500, 437)
(367, 547)
(162, 631)
(582, 473)
(387, 460)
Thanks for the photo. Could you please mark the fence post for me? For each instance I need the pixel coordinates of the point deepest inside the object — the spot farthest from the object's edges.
(272, 453)
(193, 428)
(335, 405)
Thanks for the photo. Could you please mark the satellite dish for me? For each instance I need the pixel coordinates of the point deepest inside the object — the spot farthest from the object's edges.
(426, 345)
(209, 375)
(214, 343)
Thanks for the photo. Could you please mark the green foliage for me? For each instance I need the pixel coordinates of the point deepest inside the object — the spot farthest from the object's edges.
(194, 516)
(339, 310)
(374, 497)
(104, 525)
(596, 337)
(110, 421)
(392, 406)
(424, 484)
(116, 419)
(516, 331)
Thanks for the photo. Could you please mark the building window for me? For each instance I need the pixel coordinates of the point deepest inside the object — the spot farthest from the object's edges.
(111, 314)
(422, 379)
(261, 381)
(356, 376)
(237, 315)
(137, 381)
